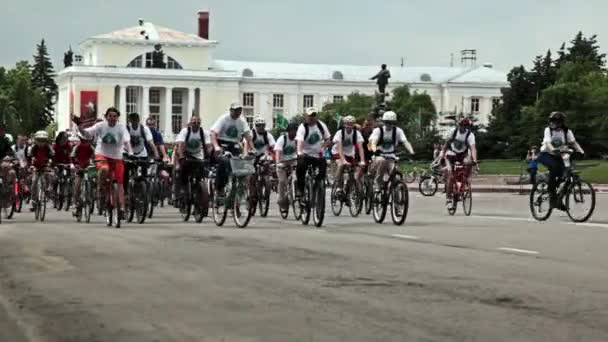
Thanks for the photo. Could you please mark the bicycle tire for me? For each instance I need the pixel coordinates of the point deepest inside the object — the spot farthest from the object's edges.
(185, 204)
(220, 212)
(353, 195)
(588, 215)
(335, 203)
(428, 186)
(399, 214)
(240, 195)
(379, 206)
(306, 203)
(88, 201)
(540, 189)
(11, 205)
(131, 202)
(68, 195)
(319, 203)
(201, 203)
(368, 195)
(141, 201)
(295, 205)
(264, 200)
(116, 207)
(42, 201)
(467, 203)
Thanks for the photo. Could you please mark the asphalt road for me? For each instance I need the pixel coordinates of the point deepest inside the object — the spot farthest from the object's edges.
(494, 276)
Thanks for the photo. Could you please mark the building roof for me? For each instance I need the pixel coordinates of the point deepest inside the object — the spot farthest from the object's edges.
(155, 33)
(298, 71)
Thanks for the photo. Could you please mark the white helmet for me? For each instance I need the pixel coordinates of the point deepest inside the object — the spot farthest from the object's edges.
(259, 121)
(235, 105)
(389, 116)
(41, 135)
(348, 119)
(310, 111)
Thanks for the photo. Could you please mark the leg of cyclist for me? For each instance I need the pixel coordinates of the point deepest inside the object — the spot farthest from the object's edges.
(555, 165)
(339, 176)
(301, 175)
(183, 176)
(322, 165)
(34, 190)
(381, 169)
(449, 171)
(282, 175)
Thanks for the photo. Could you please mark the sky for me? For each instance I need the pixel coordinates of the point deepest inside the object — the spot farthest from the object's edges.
(363, 32)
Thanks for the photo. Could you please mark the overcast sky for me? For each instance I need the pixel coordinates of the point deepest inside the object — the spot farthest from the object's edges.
(424, 32)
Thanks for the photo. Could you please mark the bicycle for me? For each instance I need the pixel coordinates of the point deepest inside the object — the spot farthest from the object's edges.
(393, 193)
(8, 196)
(262, 185)
(291, 189)
(238, 194)
(461, 189)
(573, 189)
(430, 179)
(110, 203)
(86, 203)
(63, 187)
(40, 197)
(412, 175)
(351, 194)
(22, 183)
(313, 198)
(367, 190)
(138, 190)
(195, 199)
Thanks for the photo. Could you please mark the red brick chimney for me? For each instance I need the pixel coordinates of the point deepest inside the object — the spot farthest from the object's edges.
(203, 24)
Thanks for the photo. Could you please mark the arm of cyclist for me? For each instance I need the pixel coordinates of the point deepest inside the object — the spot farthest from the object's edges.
(150, 141)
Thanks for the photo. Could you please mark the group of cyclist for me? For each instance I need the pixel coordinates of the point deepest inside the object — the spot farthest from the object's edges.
(370, 147)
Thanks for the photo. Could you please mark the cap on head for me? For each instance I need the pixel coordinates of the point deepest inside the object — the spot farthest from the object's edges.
(349, 119)
(310, 111)
(389, 116)
(259, 121)
(236, 105)
(41, 135)
(557, 116)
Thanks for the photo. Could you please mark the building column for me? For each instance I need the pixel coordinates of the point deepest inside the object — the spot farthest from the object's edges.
(145, 103)
(190, 106)
(166, 126)
(122, 103)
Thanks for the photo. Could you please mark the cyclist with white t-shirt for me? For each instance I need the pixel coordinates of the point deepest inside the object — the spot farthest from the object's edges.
(459, 148)
(312, 137)
(141, 140)
(226, 135)
(347, 141)
(112, 139)
(286, 156)
(383, 143)
(263, 141)
(193, 143)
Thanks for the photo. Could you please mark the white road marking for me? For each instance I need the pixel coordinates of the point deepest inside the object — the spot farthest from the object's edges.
(408, 237)
(523, 219)
(517, 250)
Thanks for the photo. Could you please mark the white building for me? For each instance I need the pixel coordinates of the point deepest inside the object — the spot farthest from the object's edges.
(113, 69)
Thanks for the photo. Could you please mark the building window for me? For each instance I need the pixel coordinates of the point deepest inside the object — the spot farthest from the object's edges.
(475, 105)
(177, 110)
(155, 105)
(136, 63)
(248, 107)
(132, 95)
(149, 60)
(173, 64)
(278, 103)
(309, 101)
(495, 103)
(338, 98)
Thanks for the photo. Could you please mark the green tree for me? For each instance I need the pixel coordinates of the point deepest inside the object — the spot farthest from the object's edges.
(582, 49)
(27, 100)
(43, 77)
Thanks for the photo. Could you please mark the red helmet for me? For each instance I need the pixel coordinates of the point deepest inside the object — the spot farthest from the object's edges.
(465, 123)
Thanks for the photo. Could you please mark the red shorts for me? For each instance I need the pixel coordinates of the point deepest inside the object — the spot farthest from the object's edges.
(114, 164)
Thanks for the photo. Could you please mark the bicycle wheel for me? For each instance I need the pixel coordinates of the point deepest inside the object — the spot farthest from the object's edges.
(68, 195)
(41, 200)
(116, 205)
(296, 206)
(540, 204)
(368, 195)
(467, 202)
(185, 204)
(264, 200)
(10, 203)
(410, 177)
(141, 201)
(58, 201)
(400, 202)
(379, 206)
(242, 209)
(319, 203)
(336, 203)
(428, 186)
(354, 198)
(201, 203)
(87, 206)
(131, 202)
(580, 201)
(306, 203)
(153, 198)
(81, 205)
(219, 207)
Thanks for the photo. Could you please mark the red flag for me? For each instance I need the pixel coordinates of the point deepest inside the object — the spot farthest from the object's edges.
(88, 108)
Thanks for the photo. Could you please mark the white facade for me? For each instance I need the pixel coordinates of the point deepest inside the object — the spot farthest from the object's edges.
(113, 66)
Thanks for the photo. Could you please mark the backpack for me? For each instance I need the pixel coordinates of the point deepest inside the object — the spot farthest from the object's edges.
(319, 126)
(382, 135)
(466, 138)
(255, 137)
(202, 134)
(565, 129)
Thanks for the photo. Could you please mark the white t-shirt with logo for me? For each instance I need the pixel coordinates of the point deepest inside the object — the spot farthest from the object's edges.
(138, 142)
(313, 145)
(260, 144)
(387, 146)
(194, 146)
(460, 143)
(110, 140)
(229, 129)
(288, 147)
(348, 146)
(557, 138)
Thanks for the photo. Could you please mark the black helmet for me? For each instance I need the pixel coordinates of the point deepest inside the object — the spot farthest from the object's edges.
(557, 116)
(292, 126)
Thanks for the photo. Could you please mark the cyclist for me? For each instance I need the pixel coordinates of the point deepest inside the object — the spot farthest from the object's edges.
(158, 139)
(555, 136)
(21, 150)
(62, 149)
(112, 138)
(348, 141)
(6, 151)
(226, 134)
(82, 156)
(285, 150)
(41, 156)
(312, 137)
(383, 142)
(193, 142)
(459, 148)
(141, 141)
(263, 141)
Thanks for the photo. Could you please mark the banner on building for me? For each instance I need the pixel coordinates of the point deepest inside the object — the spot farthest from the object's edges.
(88, 108)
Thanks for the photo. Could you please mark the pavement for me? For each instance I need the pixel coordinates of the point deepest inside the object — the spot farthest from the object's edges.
(494, 276)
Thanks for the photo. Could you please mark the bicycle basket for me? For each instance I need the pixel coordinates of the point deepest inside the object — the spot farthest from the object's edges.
(242, 167)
